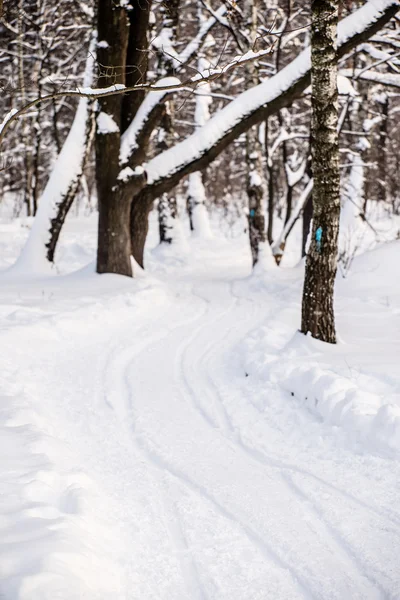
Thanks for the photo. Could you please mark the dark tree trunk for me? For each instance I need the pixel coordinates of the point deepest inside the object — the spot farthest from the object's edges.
(256, 187)
(255, 193)
(167, 206)
(136, 58)
(382, 155)
(140, 210)
(307, 212)
(317, 311)
(271, 189)
(113, 251)
(307, 218)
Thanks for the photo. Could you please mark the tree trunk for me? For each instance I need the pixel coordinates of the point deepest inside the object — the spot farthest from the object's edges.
(167, 215)
(271, 187)
(307, 218)
(196, 201)
(167, 206)
(255, 193)
(114, 253)
(139, 222)
(137, 58)
(321, 264)
(113, 249)
(63, 183)
(255, 173)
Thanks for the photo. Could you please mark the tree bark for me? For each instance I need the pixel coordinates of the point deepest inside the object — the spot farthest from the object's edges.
(256, 187)
(139, 223)
(136, 59)
(113, 250)
(167, 206)
(321, 263)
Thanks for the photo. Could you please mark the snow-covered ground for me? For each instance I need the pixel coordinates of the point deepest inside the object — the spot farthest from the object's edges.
(174, 438)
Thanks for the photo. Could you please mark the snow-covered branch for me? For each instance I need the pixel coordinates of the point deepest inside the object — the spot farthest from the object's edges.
(254, 105)
(161, 86)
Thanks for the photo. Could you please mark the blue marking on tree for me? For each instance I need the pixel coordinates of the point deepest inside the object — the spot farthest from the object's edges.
(318, 239)
(252, 212)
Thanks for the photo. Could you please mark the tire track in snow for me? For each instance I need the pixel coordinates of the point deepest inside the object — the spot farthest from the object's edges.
(153, 452)
(326, 530)
(157, 460)
(122, 372)
(203, 366)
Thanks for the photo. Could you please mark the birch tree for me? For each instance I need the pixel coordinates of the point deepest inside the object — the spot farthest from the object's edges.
(321, 263)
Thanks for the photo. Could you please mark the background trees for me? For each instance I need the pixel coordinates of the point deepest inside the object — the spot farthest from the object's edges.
(255, 146)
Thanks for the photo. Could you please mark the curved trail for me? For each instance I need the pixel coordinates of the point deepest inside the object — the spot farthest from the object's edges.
(218, 487)
(182, 400)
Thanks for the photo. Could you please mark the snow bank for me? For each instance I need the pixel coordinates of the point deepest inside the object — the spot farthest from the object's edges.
(58, 533)
(354, 385)
(54, 534)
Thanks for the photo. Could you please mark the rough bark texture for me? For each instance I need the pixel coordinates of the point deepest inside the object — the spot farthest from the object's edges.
(271, 188)
(321, 263)
(136, 58)
(139, 223)
(167, 206)
(255, 193)
(113, 252)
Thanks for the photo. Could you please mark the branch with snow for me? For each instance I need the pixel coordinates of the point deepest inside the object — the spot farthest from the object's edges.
(254, 105)
(189, 83)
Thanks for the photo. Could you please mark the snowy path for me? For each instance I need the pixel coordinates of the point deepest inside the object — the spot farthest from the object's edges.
(213, 488)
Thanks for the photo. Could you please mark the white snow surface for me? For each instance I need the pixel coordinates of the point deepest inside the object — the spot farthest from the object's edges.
(173, 437)
(129, 139)
(106, 124)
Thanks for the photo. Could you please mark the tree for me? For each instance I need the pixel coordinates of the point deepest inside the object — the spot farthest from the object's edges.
(321, 263)
(124, 141)
(249, 108)
(255, 184)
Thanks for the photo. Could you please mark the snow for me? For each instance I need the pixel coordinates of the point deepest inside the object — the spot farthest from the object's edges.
(7, 118)
(89, 91)
(345, 87)
(106, 124)
(151, 445)
(66, 170)
(193, 46)
(129, 139)
(126, 173)
(390, 79)
(194, 146)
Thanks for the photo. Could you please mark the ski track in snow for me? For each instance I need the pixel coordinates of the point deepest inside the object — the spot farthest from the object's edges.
(216, 490)
(182, 363)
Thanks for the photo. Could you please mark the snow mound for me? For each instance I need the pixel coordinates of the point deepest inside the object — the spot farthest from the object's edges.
(351, 385)
(53, 528)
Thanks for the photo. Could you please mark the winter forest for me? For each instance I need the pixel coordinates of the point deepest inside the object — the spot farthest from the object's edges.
(200, 299)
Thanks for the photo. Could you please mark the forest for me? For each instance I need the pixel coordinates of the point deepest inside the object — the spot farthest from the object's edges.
(199, 299)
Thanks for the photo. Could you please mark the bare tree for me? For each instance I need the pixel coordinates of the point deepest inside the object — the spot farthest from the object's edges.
(321, 264)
